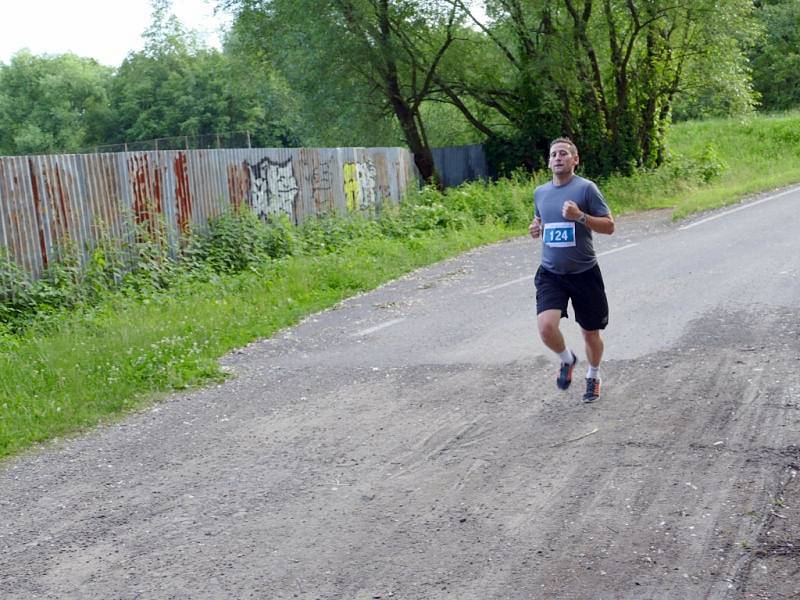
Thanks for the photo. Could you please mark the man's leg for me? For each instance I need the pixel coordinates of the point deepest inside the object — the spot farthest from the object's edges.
(549, 331)
(548, 321)
(591, 312)
(594, 347)
(594, 354)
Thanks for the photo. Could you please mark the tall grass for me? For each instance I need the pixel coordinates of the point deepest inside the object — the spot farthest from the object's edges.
(714, 163)
(759, 154)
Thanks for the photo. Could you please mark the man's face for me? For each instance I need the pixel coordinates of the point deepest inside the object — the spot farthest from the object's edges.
(562, 161)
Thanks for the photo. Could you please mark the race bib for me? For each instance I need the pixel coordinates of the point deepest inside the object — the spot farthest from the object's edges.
(559, 235)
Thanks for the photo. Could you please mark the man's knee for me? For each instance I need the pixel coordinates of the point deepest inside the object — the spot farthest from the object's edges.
(548, 324)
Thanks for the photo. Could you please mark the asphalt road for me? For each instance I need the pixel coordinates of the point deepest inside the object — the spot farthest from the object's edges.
(411, 443)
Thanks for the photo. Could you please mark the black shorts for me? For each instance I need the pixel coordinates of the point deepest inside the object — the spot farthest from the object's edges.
(586, 290)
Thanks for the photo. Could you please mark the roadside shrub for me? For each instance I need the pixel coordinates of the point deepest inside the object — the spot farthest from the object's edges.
(330, 233)
(152, 267)
(509, 202)
(391, 222)
(61, 285)
(709, 164)
(17, 298)
(430, 209)
(700, 168)
(280, 238)
(238, 241)
(787, 132)
(428, 216)
(105, 269)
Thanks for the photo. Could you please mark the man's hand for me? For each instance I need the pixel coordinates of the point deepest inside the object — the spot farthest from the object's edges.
(535, 228)
(571, 211)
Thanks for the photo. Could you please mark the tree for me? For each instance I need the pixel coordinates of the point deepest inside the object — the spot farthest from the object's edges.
(52, 103)
(776, 56)
(389, 49)
(333, 106)
(606, 72)
(177, 87)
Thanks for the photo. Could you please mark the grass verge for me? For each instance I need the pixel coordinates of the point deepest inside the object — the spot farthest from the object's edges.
(715, 163)
(119, 355)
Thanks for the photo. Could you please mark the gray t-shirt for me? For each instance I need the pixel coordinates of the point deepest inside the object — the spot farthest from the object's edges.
(567, 246)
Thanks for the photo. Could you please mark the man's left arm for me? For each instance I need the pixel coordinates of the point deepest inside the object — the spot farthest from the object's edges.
(603, 224)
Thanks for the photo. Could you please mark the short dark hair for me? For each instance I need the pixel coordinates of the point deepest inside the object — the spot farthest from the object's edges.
(565, 140)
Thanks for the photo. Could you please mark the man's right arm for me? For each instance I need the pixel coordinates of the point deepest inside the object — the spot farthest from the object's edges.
(535, 228)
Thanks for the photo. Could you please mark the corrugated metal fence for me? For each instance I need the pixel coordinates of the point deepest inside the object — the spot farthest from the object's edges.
(457, 164)
(50, 202)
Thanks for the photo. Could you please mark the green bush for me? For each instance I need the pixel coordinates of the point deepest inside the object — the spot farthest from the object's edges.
(237, 241)
(63, 285)
(330, 233)
(17, 298)
(787, 132)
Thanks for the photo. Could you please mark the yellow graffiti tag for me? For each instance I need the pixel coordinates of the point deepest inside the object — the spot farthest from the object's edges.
(352, 190)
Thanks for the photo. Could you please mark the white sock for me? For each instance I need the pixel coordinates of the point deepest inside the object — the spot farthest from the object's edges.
(593, 372)
(566, 356)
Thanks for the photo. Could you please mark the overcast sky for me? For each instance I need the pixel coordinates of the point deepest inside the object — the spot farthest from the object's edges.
(106, 30)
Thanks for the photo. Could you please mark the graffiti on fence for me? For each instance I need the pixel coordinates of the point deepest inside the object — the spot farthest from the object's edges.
(49, 203)
(351, 191)
(367, 181)
(273, 187)
(360, 185)
(322, 187)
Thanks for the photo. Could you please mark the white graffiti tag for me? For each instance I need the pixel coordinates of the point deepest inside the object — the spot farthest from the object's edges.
(273, 188)
(367, 176)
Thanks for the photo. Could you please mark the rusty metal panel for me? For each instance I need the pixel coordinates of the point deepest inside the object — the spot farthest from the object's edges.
(72, 182)
(183, 198)
(32, 221)
(237, 174)
(49, 214)
(48, 203)
(10, 202)
(197, 179)
(208, 184)
(9, 189)
(103, 191)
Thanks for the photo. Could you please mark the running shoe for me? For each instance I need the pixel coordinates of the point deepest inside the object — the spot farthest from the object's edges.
(565, 373)
(592, 389)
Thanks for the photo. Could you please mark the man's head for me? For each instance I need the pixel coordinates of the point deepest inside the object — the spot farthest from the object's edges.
(563, 158)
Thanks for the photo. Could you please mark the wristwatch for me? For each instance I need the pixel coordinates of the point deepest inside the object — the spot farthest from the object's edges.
(582, 218)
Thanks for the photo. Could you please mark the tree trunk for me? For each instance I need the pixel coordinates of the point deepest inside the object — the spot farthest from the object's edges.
(423, 157)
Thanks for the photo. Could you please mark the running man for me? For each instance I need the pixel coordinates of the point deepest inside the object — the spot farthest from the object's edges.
(566, 212)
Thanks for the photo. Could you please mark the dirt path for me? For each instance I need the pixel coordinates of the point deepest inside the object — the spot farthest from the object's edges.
(444, 464)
